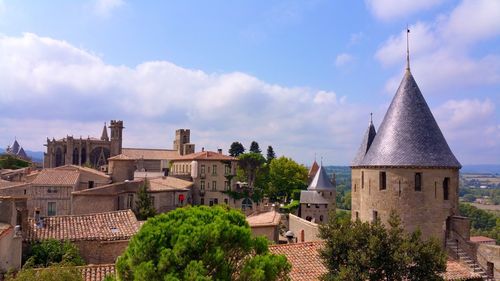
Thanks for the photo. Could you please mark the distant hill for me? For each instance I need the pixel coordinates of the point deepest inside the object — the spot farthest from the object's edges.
(483, 169)
(36, 156)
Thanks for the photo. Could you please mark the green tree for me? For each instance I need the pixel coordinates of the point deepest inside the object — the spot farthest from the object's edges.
(254, 147)
(469, 198)
(270, 154)
(251, 163)
(144, 206)
(285, 176)
(51, 251)
(236, 149)
(199, 243)
(54, 273)
(370, 251)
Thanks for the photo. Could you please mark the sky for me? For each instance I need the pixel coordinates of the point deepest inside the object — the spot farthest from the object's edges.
(301, 76)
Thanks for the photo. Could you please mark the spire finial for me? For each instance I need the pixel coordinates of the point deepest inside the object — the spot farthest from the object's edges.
(407, 48)
(371, 117)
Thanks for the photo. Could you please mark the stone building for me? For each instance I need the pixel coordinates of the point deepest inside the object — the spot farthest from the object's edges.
(407, 167)
(319, 199)
(212, 176)
(85, 151)
(13, 218)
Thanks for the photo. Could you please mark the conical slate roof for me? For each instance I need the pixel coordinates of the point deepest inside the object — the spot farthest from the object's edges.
(15, 147)
(365, 144)
(409, 134)
(313, 170)
(22, 154)
(320, 181)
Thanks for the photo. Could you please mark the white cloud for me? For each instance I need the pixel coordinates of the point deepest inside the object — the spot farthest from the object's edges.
(51, 88)
(470, 127)
(396, 9)
(440, 50)
(343, 59)
(104, 8)
(355, 38)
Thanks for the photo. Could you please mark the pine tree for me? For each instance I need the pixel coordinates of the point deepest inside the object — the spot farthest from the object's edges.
(254, 147)
(270, 154)
(144, 207)
(236, 149)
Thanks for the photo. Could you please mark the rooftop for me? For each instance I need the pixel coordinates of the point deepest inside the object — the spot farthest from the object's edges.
(108, 226)
(312, 197)
(82, 169)
(168, 183)
(321, 181)
(206, 155)
(270, 218)
(96, 272)
(482, 239)
(61, 177)
(150, 154)
(409, 135)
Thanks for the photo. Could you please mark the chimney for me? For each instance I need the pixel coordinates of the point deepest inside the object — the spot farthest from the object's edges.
(219, 150)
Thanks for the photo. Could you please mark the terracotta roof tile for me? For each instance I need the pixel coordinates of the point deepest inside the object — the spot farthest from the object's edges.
(168, 183)
(96, 272)
(82, 169)
(57, 177)
(108, 226)
(205, 155)
(264, 219)
(150, 154)
(482, 239)
(307, 265)
(121, 157)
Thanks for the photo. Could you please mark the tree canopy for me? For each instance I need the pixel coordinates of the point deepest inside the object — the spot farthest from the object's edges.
(199, 243)
(236, 149)
(60, 272)
(285, 176)
(144, 206)
(49, 252)
(270, 154)
(370, 251)
(254, 147)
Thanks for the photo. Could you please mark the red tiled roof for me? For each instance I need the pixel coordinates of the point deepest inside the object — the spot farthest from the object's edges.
(108, 226)
(82, 169)
(270, 218)
(168, 183)
(307, 265)
(482, 239)
(60, 177)
(150, 154)
(205, 155)
(96, 272)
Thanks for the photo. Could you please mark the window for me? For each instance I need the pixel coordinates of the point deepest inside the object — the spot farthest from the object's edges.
(202, 185)
(51, 209)
(357, 215)
(362, 179)
(152, 200)
(226, 185)
(211, 202)
(446, 188)
(214, 185)
(214, 170)
(227, 168)
(375, 215)
(25, 192)
(321, 218)
(399, 188)
(130, 201)
(216, 201)
(317, 206)
(202, 201)
(91, 184)
(246, 204)
(226, 201)
(308, 205)
(202, 170)
(51, 190)
(382, 181)
(354, 187)
(418, 181)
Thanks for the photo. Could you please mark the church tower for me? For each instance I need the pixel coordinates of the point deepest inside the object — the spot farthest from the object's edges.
(407, 166)
(116, 129)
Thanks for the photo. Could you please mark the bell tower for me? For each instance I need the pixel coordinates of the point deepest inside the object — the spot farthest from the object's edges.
(116, 128)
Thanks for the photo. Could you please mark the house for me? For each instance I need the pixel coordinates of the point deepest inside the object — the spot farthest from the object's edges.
(13, 215)
(265, 224)
(319, 199)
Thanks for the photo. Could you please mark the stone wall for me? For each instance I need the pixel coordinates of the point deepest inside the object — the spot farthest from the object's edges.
(101, 252)
(10, 250)
(425, 209)
(88, 204)
(488, 256)
(304, 231)
(271, 232)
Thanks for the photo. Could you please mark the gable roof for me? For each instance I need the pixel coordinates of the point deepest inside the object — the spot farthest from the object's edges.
(57, 177)
(108, 226)
(206, 155)
(271, 218)
(150, 154)
(83, 169)
(312, 197)
(409, 135)
(321, 181)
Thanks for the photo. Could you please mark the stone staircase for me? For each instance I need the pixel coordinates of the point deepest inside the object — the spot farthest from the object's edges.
(464, 258)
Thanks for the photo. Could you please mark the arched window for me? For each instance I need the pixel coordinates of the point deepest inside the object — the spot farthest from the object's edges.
(59, 157)
(246, 204)
(308, 218)
(418, 181)
(76, 157)
(83, 156)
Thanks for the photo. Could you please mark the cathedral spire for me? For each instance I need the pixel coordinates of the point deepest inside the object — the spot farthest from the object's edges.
(104, 135)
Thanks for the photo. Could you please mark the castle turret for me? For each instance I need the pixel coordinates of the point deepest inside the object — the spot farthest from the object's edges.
(408, 167)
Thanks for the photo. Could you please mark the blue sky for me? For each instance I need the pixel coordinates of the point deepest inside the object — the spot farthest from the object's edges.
(301, 76)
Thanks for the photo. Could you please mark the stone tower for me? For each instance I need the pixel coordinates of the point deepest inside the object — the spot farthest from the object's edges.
(182, 142)
(407, 167)
(116, 129)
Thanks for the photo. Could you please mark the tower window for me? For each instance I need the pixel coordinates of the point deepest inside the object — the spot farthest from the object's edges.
(418, 181)
(357, 215)
(446, 188)
(382, 181)
(375, 215)
(362, 179)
